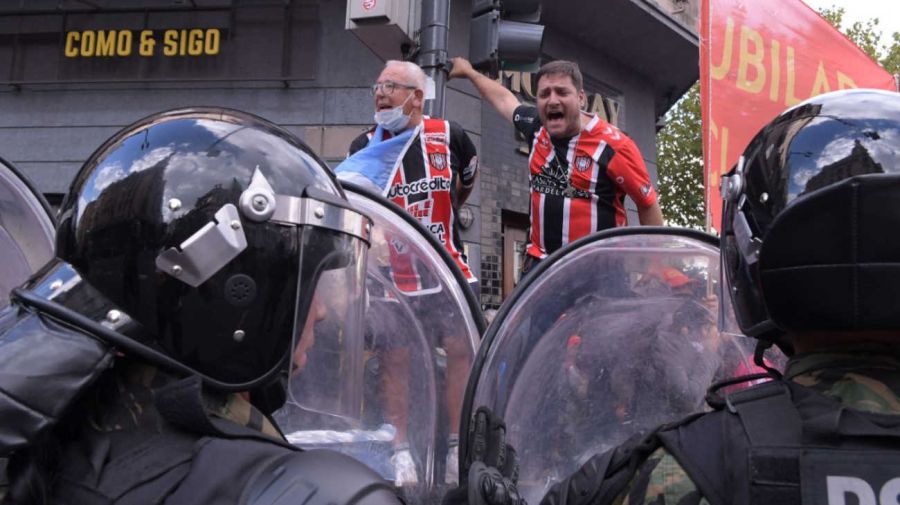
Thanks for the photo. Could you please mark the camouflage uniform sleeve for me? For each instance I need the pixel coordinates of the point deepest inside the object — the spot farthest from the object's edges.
(660, 480)
(237, 409)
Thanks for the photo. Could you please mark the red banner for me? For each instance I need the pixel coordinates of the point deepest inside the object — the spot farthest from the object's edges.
(757, 58)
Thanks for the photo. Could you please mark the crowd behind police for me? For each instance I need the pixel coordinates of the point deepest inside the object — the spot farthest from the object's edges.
(126, 378)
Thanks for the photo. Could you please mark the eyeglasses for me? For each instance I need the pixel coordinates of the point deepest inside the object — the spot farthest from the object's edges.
(388, 87)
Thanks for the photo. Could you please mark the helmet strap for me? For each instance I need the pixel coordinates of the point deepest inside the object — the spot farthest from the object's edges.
(761, 347)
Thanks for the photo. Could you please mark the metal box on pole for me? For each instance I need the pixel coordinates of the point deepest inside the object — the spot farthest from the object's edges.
(388, 27)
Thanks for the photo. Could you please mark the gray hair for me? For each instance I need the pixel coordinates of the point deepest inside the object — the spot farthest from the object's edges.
(413, 72)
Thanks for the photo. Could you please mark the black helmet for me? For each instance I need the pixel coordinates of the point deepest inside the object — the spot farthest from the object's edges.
(809, 238)
(202, 235)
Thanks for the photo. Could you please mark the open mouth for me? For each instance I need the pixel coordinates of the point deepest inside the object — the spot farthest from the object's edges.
(555, 115)
(384, 106)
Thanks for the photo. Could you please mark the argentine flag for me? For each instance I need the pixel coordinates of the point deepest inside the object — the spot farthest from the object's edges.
(372, 166)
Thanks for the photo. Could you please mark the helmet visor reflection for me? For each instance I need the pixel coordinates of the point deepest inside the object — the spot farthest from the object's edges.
(327, 349)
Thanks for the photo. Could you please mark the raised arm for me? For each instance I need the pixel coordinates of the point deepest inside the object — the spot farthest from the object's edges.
(501, 98)
(650, 215)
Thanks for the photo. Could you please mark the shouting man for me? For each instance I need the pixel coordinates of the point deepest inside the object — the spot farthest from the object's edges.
(581, 167)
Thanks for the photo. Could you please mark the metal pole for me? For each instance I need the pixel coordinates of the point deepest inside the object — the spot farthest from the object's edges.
(433, 50)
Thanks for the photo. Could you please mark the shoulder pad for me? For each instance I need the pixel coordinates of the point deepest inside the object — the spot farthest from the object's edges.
(318, 477)
(59, 363)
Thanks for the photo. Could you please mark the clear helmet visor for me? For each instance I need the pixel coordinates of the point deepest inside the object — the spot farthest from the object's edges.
(728, 324)
(325, 373)
(420, 331)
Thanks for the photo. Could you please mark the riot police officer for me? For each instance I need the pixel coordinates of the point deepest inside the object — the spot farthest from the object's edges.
(200, 254)
(810, 260)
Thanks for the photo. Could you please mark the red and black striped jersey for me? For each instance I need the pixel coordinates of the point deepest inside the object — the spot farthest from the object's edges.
(424, 183)
(578, 184)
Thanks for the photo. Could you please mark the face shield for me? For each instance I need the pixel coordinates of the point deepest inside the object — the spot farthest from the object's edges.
(725, 318)
(326, 366)
(420, 328)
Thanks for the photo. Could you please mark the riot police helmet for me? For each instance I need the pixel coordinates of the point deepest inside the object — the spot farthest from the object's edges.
(203, 236)
(808, 243)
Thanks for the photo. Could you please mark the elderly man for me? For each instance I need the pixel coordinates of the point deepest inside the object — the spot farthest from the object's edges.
(426, 166)
(581, 166)
(432, 170)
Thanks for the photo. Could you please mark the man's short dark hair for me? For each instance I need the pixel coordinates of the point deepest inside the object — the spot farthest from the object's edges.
(562, 67)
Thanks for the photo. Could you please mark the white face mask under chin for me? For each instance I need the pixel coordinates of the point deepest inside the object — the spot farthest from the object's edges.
(394, 119)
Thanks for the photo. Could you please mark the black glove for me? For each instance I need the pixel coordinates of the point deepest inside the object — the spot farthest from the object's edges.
(489, 474)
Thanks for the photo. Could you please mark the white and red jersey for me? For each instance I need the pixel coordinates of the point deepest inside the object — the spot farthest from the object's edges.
(578, 185)
(405, 271)
(423, 184)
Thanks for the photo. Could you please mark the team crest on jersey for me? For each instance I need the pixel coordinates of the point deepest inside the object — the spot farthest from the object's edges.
(438, 161)
(583, 163)
(399, 246)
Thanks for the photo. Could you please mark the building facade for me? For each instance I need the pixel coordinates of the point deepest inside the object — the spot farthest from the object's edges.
(73, 72)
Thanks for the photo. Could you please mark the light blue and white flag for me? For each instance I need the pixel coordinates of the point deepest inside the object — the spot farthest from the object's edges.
(373, 165)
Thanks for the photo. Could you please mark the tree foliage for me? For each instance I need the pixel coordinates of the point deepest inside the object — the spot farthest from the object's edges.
(680, 145)
(867, 35)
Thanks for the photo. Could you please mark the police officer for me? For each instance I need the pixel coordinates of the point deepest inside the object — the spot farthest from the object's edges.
(811, 260)
(199, 254)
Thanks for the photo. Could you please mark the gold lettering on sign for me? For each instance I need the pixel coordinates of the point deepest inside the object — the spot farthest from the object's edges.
(120, 43)
(147, 43)
(751, 59)
(515, 81)
(88, 39)
(72, 39)
(106, 43)
(595, 106)
(211, 42)
(759, 61)
(123, 44)
(195, 42)
(170, 43)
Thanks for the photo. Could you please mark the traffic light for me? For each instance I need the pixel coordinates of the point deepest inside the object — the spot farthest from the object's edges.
(504, 34)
